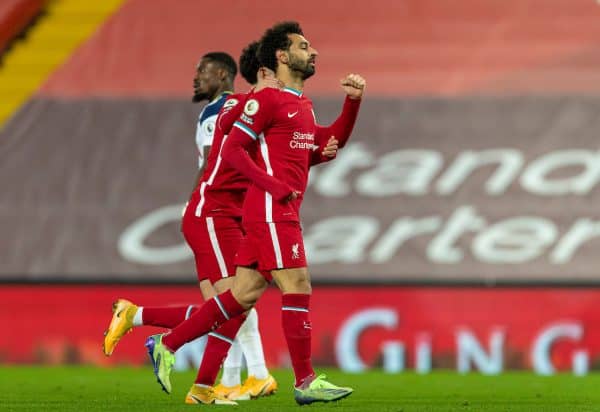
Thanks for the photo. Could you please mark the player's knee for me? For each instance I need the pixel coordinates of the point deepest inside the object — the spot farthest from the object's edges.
(247, 293)
(246, 298)
(302, 286)
(295, 284)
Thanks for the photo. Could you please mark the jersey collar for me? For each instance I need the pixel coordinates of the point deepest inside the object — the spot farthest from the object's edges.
(216, 99)
(295, 92)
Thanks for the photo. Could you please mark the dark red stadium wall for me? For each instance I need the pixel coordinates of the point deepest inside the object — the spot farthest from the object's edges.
(408, 47)
(491, 330)
(93, 190)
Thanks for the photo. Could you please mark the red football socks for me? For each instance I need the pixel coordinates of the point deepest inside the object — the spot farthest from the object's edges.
(208, 317)
(217, 346)
(166, 316)
(297, 331)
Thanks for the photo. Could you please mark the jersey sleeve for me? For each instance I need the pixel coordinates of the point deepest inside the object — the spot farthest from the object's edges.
(257, 113)
(342, 127)
(230, 112)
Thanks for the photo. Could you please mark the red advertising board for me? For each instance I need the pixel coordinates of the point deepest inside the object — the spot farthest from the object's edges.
(354, 328)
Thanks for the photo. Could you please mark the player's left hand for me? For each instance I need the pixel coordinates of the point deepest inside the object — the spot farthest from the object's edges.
(293, 196)
(354, 85)
(331, 148)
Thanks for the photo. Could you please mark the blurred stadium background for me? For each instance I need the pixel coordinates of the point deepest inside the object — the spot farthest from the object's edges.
(459, 229)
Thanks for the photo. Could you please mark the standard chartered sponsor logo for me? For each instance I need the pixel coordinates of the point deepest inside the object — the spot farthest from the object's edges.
(363, 239)
(302, 141)
(303, 136)
(465, 234)
(301, 145)
(418, 172)
(459, 227)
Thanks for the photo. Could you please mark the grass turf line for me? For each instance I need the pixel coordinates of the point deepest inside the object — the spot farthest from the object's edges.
(87, 389)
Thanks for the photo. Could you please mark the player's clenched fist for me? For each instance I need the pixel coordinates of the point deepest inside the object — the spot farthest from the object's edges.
(354, 85)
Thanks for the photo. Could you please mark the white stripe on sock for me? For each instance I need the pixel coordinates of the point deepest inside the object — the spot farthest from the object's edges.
(188, 312)
(293, 308)
(221, 337)
(220, 305)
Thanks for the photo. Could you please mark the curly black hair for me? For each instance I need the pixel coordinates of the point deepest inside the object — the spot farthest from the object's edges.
(224, 60)
(249, 63)
(276, 38)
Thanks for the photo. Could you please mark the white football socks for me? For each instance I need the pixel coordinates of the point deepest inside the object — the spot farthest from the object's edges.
(232, 366)
(251, 344)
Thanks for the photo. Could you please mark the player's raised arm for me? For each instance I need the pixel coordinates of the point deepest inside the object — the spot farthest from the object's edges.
(354, 86)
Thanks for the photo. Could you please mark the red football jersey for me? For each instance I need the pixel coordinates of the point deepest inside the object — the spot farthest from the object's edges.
(282, 122)
(222, 188)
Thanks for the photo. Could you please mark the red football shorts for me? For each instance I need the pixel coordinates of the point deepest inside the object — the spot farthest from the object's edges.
(214, 241)
(270, 246)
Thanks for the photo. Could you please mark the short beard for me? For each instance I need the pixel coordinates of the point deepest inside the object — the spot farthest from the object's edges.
(308, 72)
(199, 97)
(304, 68)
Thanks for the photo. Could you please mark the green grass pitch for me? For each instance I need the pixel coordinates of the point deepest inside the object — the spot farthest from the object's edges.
(86, 389)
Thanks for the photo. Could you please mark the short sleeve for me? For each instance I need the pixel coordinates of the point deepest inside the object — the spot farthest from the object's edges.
(230, 112)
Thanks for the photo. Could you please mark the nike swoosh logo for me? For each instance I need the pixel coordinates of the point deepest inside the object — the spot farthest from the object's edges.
(290, 115)
(196, 398)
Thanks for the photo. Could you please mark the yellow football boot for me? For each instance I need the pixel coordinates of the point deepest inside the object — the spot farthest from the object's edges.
(207, 396)
(120, 324)
(225, 391)
(254, 388)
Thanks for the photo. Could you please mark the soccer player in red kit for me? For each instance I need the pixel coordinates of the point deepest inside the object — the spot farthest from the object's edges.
(220, 195)
(212, 227)
(271, 209)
